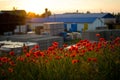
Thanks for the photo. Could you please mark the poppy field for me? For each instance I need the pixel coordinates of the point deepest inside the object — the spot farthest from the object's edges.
(85, 60)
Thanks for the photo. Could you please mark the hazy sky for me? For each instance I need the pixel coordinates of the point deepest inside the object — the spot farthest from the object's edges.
(62, 6)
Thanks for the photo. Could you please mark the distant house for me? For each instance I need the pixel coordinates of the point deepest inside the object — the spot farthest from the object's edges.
(78, 22)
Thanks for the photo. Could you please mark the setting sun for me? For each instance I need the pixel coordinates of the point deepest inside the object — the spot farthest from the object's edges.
(39, 6)
(33, 6)
(61, 6)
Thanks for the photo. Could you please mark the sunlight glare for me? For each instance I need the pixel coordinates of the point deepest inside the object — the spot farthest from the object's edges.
(33, 6)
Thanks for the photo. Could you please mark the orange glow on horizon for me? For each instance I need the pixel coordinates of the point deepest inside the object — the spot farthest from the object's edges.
(62, 6)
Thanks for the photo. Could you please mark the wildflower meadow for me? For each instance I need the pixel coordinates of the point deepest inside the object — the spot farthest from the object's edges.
(86, 60)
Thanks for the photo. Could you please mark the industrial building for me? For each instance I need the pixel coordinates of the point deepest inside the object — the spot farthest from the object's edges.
(77, 21)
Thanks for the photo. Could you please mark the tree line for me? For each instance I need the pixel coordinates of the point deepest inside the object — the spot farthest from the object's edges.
(34, 15)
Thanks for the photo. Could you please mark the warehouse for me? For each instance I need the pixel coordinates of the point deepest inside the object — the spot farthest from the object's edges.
(77, 21)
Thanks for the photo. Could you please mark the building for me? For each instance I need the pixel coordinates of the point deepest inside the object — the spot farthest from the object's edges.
(78, 22)
(10, 19)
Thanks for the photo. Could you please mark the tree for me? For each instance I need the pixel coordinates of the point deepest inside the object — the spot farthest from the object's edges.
(10, 19)
(31, 15)
(46, 13)
(88, 12)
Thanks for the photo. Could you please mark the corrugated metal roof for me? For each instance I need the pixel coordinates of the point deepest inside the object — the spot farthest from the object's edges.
(78, 15)
(66, 20)
(73, 18)
(76, 20)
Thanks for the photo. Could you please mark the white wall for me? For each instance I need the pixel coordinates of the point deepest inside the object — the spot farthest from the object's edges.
(98, 23)
(91, 27)
(68, 26)
(80, 26)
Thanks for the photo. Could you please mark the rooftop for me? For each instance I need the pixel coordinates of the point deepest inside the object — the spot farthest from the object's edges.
(81, 15)
(66, 20)
(72, 18)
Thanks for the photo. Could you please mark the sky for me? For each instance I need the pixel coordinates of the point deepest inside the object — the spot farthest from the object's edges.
(62, 6)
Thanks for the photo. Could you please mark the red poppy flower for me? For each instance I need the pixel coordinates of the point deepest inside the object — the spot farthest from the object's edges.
(42, 54)
(24, 51)
(99, 45)
(4, 59)
(36, 56)
(3, 73)
(37, 46)
(102, 39)
(0, 59)
(66, 54)
(51, 48)
(97, 35)
(75, 61)
(46, 61)
(37, 53)
(94, 59)
(89, 59)
(90, 49)
(27, 54)
(58, 57)
(83, 51)
(73, 55)
(12, 53)
(65, 45)
(12, 63)
(55, 44)
(10, 70)
(32, 49)
(0, 63)
(61, 49)
(20, 58)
